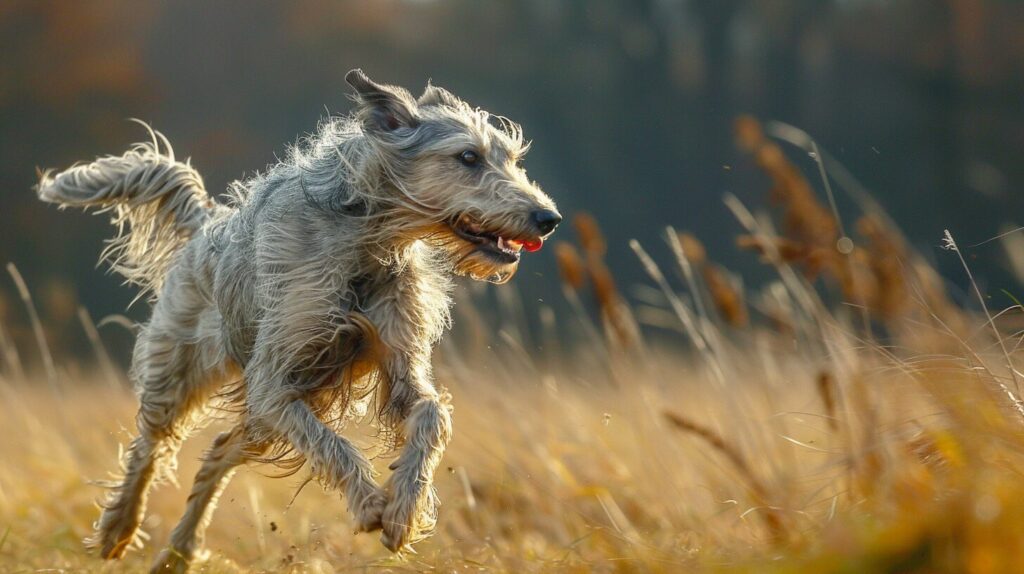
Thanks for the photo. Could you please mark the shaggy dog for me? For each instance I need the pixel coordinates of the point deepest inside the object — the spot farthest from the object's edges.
(322, 282)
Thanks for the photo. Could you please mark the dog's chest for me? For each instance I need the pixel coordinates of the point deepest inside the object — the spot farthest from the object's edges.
(408, 309)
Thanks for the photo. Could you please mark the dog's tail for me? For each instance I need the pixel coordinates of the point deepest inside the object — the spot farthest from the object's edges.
(161, 201)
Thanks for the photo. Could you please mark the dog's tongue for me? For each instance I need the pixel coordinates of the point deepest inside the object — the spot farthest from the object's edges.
(532, 246)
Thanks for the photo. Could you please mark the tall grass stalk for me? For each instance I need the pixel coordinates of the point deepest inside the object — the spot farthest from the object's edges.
(99, 349)
(950, 244)
(37, 327)
(9, 352)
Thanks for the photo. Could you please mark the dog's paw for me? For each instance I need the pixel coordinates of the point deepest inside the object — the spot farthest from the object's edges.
(397, 525)
(409, 517)
(113, 544)
(170, 561)
(115, 549)
(369, 511)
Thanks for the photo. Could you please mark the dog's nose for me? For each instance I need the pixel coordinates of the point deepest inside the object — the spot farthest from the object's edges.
(546, 220)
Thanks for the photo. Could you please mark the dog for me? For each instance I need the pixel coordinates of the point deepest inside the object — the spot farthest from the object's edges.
(319, 284)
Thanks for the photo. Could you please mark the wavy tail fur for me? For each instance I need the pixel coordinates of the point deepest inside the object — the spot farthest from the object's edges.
(162, 201)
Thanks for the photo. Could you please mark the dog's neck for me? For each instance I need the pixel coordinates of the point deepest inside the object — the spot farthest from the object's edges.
(394, 233)
(349, 186)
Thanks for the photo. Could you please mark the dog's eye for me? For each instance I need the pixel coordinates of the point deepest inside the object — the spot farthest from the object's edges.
(469, 157)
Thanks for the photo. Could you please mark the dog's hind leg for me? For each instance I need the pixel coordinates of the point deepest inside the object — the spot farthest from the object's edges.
(168, 411)
(175, 369)
(117, 527)
(229, 450)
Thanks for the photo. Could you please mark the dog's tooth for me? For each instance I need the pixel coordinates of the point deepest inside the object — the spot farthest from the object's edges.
(514, 244)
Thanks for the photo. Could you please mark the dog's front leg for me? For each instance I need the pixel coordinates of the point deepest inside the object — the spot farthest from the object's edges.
(337, 461)
(426, 428)
(334, 459)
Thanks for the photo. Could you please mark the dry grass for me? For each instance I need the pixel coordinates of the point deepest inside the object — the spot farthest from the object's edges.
(787, 438)
(561, 473)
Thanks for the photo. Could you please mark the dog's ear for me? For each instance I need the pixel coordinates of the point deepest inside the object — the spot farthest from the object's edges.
(386, 108)
(437, 96)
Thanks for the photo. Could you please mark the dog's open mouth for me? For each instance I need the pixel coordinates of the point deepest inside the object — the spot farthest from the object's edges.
(501, 247)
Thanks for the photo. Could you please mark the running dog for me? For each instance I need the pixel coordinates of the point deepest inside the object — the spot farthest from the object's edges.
(322, 282)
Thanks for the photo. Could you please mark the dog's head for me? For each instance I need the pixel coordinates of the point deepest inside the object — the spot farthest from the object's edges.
(455, 176)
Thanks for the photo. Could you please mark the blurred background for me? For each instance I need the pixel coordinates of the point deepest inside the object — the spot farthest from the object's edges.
(630, 104)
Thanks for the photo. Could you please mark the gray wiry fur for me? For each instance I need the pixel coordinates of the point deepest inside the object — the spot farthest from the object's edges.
(325, 280)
